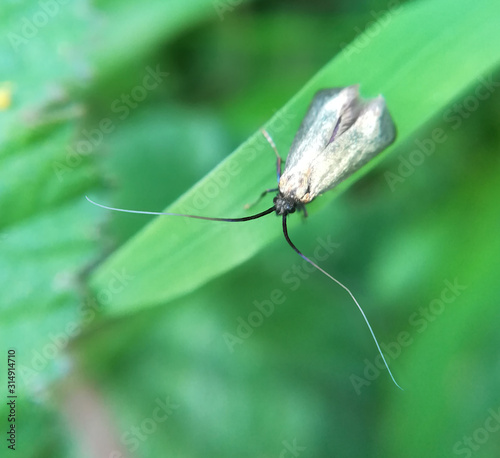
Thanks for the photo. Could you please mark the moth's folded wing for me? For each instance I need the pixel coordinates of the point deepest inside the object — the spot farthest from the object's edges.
(371, 133)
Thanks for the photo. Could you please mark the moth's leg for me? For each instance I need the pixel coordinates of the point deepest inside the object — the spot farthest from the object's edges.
(247, 206)
(273, 146)
(278, 168)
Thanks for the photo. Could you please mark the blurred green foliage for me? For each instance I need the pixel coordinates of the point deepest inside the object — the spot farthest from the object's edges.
(121, 330)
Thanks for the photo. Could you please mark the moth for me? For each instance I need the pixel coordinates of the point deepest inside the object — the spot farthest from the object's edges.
(339, 134)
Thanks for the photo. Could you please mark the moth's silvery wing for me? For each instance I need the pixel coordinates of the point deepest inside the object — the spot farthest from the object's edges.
(340, 133)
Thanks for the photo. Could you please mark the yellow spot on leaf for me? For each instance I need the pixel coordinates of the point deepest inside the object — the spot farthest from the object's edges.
(5, 95)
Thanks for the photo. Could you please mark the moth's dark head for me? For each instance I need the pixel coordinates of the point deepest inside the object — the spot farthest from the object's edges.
(284, 205)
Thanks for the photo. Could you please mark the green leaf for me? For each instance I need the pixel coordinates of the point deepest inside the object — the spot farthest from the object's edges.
(44, 243)
(409, 57)
(147, 28)
(453, 328)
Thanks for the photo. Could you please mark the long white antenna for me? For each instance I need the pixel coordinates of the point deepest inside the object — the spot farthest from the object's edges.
(285, 232)
(207, 218)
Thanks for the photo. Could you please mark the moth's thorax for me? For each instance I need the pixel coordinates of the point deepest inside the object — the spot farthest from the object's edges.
(295, 185)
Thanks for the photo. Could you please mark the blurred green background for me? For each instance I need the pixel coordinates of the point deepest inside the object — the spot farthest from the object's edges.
(128, 328)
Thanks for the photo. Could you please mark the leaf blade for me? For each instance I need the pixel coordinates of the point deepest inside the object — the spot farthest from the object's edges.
(178, 250)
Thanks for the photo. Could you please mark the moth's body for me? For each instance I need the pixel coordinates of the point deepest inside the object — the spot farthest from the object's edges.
(339, 134)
